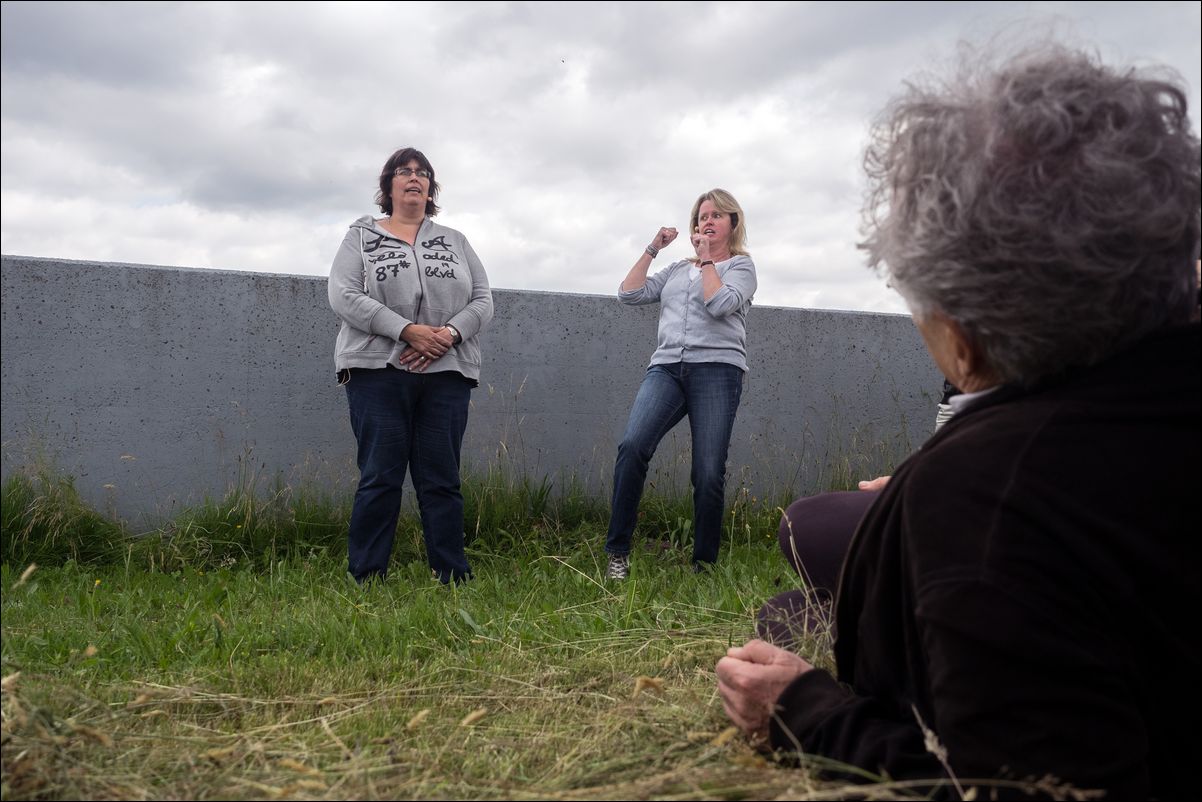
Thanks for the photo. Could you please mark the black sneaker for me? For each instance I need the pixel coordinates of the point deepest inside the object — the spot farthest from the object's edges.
(619, 567)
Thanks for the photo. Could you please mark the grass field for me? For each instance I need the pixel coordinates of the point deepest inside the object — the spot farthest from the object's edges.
(228, 656)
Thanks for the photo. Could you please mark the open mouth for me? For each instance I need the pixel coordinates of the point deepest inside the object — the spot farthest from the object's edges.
(708, 231)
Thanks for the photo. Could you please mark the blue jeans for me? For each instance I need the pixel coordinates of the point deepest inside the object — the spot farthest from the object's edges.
(416, 421)
(708, 393)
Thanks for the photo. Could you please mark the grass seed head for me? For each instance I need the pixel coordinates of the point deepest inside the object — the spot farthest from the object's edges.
(474, 716)
(725, 736)
(297, 766)
(28, 572)
(647, 684)
(94, 734)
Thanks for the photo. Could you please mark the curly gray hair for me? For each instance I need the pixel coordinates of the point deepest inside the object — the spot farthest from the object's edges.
(1050, 207)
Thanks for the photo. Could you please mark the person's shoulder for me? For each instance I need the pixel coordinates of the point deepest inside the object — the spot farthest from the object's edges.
(354, 231)
(742, 260)
(975, 444)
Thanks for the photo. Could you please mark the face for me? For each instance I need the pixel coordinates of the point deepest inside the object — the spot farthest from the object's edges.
(938, 338)
(954, 354)
(412, 189)
(714, 225)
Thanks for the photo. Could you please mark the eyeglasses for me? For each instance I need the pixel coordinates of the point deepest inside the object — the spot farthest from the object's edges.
(405, 172)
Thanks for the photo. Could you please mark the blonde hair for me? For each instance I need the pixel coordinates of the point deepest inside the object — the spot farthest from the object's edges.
(724, 202)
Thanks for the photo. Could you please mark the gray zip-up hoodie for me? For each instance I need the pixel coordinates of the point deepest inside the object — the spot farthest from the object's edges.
(692, 329)
(380, 284)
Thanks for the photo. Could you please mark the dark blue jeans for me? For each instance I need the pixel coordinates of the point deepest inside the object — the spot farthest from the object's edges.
(708, 393)
(415, 421)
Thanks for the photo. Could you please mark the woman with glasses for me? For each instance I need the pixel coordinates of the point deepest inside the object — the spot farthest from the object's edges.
(696, 371)
(413, 299)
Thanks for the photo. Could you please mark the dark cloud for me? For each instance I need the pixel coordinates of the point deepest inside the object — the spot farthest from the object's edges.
(120, 44)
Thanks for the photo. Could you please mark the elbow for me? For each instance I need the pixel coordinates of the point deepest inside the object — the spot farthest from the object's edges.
(719, 309)
(482, 312)
(340, 300)
(725, 301)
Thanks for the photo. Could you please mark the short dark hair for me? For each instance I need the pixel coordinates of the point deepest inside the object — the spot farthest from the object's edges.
(400, 159)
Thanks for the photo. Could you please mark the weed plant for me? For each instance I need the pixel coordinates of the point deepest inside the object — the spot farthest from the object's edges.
(43, 520)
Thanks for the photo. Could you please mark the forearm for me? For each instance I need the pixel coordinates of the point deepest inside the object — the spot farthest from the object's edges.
(637, 277)
(349, 299)
(732, 289)
(637, 288)
(367, 314)
(478, 313)
(711, 282)
(820, 717)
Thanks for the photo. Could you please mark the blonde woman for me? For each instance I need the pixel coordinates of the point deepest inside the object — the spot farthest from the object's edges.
(696, 371)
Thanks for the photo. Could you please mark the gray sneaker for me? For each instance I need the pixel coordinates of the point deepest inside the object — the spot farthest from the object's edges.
(619, 567)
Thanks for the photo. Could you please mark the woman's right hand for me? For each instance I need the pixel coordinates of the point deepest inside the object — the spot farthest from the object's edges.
(664, 238)
(427, 341)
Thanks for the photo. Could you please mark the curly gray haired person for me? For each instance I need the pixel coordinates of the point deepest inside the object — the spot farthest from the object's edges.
(1067, 188)
(1024, 588)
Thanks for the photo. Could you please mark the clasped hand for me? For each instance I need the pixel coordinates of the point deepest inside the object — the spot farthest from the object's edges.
(426, 344)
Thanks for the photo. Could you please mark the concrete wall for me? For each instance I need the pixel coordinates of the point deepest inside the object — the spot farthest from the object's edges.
(158, 386)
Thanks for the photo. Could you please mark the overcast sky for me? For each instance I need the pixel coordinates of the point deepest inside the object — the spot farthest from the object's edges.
(247, 136)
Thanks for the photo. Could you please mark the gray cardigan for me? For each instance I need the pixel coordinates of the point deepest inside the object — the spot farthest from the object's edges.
(692, 329)
(379, 285)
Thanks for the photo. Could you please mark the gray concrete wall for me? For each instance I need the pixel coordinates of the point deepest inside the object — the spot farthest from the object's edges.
(158, 386)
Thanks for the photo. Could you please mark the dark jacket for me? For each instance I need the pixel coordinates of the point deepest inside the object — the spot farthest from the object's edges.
(1028, 585)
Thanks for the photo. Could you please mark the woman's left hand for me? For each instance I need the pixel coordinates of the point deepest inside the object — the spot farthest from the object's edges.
(701, 244)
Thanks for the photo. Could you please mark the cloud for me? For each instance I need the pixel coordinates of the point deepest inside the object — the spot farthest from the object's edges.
(231, 135)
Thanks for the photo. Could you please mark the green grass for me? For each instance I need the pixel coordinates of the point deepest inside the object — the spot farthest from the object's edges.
(43, 520)
(228, 656)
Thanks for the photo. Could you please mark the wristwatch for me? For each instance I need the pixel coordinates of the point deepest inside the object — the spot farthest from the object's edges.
(456, 337)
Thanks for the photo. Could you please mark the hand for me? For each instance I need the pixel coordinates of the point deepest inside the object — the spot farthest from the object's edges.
(750, 680)
(701, 244)
(663, 239)
(414, 361)
(427, 341)
(426, 345)
(875, 484)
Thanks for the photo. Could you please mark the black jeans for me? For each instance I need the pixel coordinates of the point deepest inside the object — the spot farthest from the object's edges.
(814, 534)
(411, 421)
